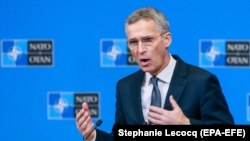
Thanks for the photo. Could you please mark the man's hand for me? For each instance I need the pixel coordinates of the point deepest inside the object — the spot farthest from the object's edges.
(159, 116)
(84, 123)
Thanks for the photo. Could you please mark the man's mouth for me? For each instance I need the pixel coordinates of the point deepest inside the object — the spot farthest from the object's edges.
(144, 62)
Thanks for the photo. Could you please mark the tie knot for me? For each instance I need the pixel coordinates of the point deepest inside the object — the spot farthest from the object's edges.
(154, 80)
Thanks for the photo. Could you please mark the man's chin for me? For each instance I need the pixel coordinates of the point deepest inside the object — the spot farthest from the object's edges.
(146, 69)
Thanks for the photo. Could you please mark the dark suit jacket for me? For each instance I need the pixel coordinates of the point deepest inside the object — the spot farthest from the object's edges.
(197, 92)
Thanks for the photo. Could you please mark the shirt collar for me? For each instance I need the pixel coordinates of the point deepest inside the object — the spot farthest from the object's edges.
(165, 75)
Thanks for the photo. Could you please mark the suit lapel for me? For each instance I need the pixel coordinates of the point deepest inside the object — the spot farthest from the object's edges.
(177, 83)
(176, 88)
(136, 91)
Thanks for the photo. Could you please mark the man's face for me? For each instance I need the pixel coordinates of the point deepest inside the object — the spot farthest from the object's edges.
(148, 45)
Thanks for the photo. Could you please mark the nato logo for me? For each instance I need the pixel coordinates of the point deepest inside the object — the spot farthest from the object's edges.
(65, 105)
(115, 53)
(24, 53)
(224, 53)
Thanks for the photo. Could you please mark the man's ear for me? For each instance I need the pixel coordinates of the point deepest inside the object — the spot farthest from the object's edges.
(167, 39)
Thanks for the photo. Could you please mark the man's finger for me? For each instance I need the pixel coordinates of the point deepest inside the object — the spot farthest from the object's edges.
(85, 106)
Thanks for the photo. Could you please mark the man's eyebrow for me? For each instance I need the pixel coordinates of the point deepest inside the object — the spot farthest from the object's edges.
(147, 36)
(133, 39)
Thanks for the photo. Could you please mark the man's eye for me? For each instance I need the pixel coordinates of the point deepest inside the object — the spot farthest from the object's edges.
(133, 42)
(147, 40)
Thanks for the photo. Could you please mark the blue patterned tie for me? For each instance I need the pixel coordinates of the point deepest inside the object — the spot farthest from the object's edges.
(156, 94)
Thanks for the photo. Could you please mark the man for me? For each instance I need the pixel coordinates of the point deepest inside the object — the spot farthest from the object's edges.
(180, 93)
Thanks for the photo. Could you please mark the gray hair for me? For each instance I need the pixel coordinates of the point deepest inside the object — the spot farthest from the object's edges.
(149, 13)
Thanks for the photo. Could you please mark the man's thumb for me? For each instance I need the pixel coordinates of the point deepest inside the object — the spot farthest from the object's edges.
(173, 102)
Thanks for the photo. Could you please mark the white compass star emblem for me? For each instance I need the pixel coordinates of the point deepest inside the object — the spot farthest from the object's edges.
(213, 52)
(14, 53)
(61, 105)
(114, 53)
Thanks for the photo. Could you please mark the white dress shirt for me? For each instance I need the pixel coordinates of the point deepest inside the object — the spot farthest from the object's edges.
(164, 81)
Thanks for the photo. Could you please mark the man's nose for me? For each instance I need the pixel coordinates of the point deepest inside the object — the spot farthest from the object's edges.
(141, 47)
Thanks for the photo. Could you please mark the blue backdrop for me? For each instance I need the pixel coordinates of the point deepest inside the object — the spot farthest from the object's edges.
(77, 29)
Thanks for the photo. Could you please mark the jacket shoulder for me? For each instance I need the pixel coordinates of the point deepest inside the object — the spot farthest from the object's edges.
(190, 69)
(132, 77)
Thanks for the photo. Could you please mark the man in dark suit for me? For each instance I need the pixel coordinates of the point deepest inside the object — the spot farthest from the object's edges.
(166, 91)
